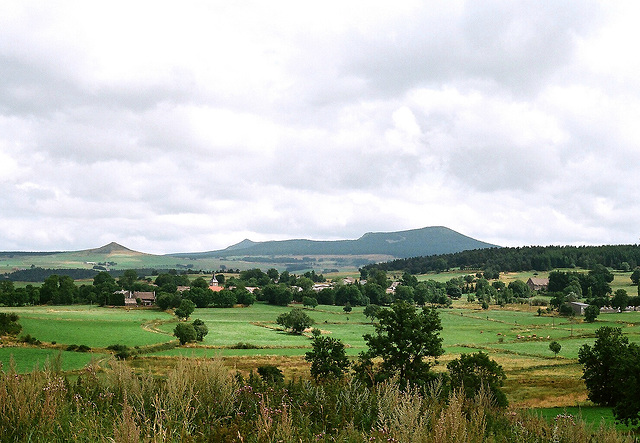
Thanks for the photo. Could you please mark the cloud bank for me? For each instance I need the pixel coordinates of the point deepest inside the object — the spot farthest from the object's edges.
(173, 128)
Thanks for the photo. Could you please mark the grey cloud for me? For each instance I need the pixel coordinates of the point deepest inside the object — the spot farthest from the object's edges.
(515, 45)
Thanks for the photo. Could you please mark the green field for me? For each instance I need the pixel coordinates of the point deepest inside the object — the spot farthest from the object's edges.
(27, 359)
(536, 378)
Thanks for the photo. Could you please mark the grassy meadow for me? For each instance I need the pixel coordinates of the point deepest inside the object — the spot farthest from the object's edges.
(515, 336)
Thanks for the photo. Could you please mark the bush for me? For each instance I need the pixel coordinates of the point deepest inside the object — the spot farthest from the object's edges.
(29, 340)
(121, 352)
(242, 345)
(270, 374)
(9, 324)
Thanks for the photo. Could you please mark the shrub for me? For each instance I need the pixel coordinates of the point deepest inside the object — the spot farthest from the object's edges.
(9, 324)
(121, 352)
(270, 374)
(29, 340)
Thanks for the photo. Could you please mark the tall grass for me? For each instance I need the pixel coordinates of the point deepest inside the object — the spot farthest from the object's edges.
(199, 400)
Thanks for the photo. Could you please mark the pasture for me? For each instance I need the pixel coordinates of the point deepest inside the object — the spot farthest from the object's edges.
(515, 336)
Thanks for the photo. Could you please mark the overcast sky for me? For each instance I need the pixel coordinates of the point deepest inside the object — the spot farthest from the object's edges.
(189, 126)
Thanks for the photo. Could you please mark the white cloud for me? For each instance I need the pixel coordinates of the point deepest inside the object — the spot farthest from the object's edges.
(190, 127)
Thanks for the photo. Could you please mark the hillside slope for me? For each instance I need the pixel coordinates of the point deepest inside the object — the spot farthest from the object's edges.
(401, 244)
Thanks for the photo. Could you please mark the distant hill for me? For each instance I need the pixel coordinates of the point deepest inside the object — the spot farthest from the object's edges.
(111, 248)
(401, 244)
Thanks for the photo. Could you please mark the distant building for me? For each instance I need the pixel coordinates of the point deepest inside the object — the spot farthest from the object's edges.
(131, 298)
(146, 298)
(578, 308)
(536, 284)
(214, 285)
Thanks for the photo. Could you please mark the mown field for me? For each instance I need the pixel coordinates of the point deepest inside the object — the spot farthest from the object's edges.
(247, 337)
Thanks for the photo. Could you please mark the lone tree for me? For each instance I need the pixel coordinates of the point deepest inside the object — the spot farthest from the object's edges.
(471, 372)
(403, 338)
(296, 320)
(555, 347)
(328, 358)
(185, 309)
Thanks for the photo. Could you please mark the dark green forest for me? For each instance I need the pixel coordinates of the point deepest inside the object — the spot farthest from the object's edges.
(515, 259)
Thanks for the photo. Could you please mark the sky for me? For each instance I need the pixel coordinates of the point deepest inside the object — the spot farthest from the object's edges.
(190, 126)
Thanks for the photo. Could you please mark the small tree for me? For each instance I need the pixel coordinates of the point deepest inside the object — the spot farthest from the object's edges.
(347, 308)
(403, 338)
(185, 309)
(296, 320)
(200, 328)
(591, 312)
(471, 372)
(310, 302)
(185, 332)
(328, 358)
(555, 347)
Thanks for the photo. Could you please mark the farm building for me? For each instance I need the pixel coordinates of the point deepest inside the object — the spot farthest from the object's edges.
(131, 298)
(578, 308)
(536, 284)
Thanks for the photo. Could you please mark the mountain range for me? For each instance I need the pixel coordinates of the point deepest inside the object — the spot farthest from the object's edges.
(400, 244)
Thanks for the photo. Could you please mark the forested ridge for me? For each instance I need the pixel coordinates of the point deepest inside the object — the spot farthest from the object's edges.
(525, 258)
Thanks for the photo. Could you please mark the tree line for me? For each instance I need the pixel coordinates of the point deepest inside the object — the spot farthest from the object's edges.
(516, 259)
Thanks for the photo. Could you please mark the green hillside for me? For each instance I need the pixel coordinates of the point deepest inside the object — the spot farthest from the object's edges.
(401, 244)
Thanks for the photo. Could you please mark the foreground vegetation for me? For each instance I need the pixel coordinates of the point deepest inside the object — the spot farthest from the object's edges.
(199, 400)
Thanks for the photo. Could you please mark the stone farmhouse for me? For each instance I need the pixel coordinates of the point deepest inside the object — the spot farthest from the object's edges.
(536, 284)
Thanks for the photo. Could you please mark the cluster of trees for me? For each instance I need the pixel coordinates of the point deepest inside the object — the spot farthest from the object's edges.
(593, 287)
(408, 342)
(610, 371)
(190, 332)
(528, 258)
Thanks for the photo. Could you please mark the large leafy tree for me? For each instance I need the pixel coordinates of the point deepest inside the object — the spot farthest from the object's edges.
(404, 338)
(601, 365)
(471, 372)
(611, 371)
(328, 358)
(185, 309)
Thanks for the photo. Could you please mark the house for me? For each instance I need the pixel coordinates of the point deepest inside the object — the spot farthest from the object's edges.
(128, 299)
(348, 280)
(131, 298)
(536, 284)
(392, 289)
(146, 298)
(320, 286)
(214, 285)
(578, 308)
